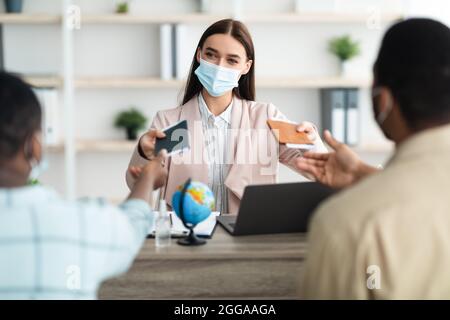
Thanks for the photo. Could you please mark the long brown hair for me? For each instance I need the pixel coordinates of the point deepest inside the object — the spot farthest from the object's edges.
(246, 88)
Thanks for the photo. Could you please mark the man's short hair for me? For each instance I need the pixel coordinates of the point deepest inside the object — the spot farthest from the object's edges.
(20, 114)
(414, 63)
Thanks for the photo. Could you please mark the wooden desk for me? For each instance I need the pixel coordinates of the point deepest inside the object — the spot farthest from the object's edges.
(265, 266)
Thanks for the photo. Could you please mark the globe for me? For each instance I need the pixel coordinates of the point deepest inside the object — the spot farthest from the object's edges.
(198, 202)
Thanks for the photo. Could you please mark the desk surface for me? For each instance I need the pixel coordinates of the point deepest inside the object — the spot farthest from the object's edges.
(264, 266)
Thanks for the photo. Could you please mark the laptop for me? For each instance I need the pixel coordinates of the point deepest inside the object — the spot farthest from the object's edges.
(276, 208)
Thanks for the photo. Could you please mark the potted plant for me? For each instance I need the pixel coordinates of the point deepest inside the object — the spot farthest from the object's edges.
(344, 48)
(13, 6)
(122, 7)
(132, 121)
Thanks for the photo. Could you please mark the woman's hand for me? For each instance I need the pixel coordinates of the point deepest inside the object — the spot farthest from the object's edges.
(147, 143)
(309, 129)
(337, 169)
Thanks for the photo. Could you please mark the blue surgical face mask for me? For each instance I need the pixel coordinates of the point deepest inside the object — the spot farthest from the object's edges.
(37, 167)
(215, 79)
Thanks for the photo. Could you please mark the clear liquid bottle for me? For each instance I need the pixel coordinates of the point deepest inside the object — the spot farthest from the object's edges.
(162, 226)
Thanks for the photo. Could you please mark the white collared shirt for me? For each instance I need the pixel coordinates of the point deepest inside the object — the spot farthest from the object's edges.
(54, 249)
(216, 134)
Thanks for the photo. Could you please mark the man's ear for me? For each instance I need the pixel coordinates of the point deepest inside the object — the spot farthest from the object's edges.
(35, 146)
(385, 100)
(248, 66)
(28, 149)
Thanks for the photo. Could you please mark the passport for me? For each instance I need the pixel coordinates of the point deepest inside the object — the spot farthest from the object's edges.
(286, 133)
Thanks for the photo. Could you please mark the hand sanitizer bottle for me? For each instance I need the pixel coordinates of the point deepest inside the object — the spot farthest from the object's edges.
(162, 226)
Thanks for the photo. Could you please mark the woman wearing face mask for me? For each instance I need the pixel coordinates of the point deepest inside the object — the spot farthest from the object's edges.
(227, 128)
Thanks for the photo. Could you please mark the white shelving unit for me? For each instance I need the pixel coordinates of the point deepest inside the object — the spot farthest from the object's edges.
(68, 97)
(45, 81)
(156, 83)
(68, 84)
(105, 146)
(97, 146)
(24, 18)
(126, 83)
(209, 18)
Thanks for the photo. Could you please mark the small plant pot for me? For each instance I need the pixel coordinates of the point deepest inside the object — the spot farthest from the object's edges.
(131, 134)
(13, 6)
(344, 71)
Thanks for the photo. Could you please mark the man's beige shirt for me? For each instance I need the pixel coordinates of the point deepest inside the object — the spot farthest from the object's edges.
(387, 237)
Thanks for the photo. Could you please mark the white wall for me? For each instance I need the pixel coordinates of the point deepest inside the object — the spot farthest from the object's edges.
(133, 50)
(435, 9)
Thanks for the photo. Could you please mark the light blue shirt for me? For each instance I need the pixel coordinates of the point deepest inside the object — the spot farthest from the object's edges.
(54, 249)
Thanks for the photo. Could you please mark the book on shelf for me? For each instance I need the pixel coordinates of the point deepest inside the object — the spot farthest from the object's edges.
(182, 55)
(166, 52)
(352, 120)
(340, 114)
(49, 101)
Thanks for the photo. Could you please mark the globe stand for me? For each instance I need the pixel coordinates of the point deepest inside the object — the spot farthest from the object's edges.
(191, 239)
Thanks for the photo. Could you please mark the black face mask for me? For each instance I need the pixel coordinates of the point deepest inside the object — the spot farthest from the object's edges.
(380, 117)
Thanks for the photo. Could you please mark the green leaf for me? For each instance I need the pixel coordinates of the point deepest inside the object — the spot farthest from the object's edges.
(131, 119)
(344, 47)
(122, 7)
